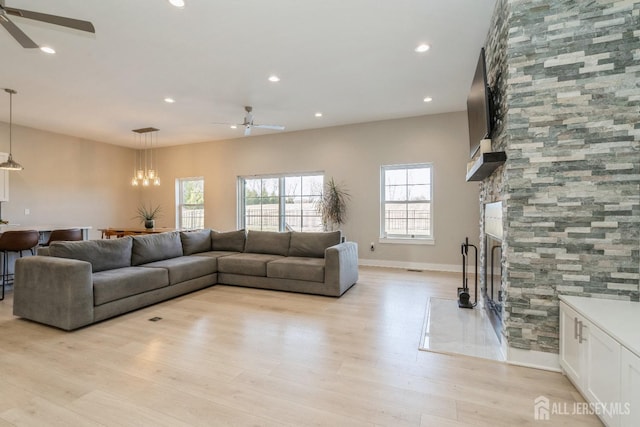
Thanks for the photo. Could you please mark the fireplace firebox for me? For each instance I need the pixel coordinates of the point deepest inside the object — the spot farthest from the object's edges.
(492, 292)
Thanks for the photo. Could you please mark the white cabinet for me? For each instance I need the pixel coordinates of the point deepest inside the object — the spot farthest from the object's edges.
(602, 374)
(4, 180)
(572, 358)
(630, 390)
(597, 362)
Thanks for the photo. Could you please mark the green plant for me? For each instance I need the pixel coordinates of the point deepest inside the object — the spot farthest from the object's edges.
(332, 206)
(145, 213)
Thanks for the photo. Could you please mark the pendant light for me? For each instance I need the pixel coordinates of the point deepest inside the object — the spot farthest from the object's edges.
(10, 164)
(144, 173)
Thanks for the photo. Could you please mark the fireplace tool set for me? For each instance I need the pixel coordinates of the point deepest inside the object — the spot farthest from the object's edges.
(464, 296)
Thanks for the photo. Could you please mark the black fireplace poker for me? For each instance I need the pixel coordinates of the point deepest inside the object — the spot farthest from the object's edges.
(464, 296)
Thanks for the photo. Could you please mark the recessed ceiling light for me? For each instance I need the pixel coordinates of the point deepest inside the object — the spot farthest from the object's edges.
(428, 99)
(169, 100)
(177, 3)
(422, 48)
(233, 127)
(273, 78)
(318, 114)
(47, 49)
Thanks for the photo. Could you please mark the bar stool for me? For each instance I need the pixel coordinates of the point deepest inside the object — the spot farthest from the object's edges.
(15, 241)
(69, 234)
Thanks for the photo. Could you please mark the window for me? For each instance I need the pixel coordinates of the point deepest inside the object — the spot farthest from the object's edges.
(280, 202)
(406, 202)
(190, 203)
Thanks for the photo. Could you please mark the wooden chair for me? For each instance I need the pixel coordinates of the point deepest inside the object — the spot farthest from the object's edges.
(70, 234)
(15, 241)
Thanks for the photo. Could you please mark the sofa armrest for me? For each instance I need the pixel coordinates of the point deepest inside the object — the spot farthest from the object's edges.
(341, 266)
(53, 291)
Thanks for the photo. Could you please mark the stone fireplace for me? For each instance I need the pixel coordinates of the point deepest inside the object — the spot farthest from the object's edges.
(566, 114)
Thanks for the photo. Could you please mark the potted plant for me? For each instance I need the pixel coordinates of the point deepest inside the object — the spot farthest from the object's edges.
(333, 204)
(147, 215)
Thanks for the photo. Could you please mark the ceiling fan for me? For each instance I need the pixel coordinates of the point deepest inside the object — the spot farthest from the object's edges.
(248, 123)
(22, 38)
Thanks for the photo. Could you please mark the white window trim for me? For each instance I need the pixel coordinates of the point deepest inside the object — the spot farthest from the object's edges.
(418, 240)
(240, 192)
(408, 240)
(179, 203)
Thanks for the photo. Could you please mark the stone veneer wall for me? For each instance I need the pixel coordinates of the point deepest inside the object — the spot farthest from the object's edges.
(568, 78)
(491, 189)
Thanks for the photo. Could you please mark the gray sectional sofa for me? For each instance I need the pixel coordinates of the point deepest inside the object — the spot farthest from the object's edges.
(80, 283)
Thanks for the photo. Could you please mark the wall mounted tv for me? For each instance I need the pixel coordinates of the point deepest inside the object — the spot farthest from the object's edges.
(479, 107)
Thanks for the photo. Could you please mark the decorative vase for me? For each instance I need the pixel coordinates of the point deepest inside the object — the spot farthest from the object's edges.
(149, 223)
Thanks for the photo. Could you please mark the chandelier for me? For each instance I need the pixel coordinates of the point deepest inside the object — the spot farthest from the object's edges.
(144, 173)
(11, 164)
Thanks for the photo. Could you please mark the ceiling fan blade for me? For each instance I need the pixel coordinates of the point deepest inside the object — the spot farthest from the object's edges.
(17, 33)
(272, 127)
(247, 130)
(76, 24)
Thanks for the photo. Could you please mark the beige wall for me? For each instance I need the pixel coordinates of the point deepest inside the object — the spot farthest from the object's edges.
(352, 155)
(67, 181)
(71, 181)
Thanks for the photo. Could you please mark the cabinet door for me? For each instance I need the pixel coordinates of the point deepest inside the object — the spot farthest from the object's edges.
(571, 356)
(630, 391)
(602, 376)
(4, 180)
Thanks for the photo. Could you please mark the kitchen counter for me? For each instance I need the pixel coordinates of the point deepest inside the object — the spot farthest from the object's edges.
(619, 319)
(45, 230)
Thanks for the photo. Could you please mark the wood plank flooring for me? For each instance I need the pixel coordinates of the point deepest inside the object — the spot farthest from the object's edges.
(247, 357)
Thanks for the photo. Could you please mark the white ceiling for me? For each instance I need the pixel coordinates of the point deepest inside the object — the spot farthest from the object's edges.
(353, 60)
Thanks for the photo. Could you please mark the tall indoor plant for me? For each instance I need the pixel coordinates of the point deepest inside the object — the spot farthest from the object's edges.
(333, 205)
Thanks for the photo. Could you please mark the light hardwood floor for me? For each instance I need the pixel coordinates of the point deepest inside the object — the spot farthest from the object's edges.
(239, 356)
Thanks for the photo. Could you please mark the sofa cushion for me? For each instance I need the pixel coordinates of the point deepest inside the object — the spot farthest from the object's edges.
(102, 254)
(297, 268)
(155, 247)
(195, 241)
(247, 264)
(268, 242)
(307, 244)
(185, 268)
(228, 241)
(214, 255)
(111, 285)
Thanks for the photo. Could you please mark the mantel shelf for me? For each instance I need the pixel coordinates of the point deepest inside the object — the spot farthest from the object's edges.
(485, 164)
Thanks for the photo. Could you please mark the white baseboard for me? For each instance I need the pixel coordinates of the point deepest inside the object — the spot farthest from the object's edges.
(405, 265)
(533, 359)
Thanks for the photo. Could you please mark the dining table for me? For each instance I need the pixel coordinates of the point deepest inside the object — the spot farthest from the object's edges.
(110, 232)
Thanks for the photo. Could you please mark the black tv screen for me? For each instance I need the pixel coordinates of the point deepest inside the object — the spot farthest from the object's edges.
(479, 107)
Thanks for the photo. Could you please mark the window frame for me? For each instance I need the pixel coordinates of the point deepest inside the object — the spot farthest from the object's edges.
(180, 201)
(282, 225)
(427, 239)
